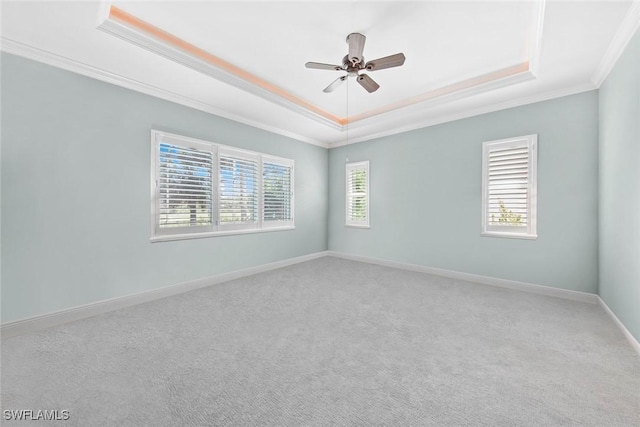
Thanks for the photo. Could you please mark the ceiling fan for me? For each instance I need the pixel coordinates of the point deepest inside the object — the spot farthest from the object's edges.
(353, 63)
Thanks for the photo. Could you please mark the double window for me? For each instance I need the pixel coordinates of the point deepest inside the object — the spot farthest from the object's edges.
(509, 187)
(200, 188)
(357, 191)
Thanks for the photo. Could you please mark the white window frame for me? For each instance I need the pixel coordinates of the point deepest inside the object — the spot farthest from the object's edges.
(530, 231)
(354, 166)
(244, 155)
(282, 162)
(159, 234)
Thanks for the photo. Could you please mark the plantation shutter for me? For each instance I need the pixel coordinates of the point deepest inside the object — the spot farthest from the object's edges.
(184, 187)
(357, 191)
(277, 193)
(238, 190)
(509, 186)
(202, 189)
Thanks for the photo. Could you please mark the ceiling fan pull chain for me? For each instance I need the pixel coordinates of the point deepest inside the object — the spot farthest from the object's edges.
(346, 150)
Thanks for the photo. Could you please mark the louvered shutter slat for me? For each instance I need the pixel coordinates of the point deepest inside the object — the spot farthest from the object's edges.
(238, 191)
(184, 183)
(277, 192)
(507, 180)
(357, 194)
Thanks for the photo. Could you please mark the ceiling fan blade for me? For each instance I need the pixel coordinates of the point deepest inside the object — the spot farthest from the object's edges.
(356, 46)
(320, 66)
(337, 82)
(386, 62)
(368, 83)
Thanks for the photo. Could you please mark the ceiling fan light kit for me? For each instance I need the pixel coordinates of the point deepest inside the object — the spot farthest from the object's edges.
(354, 62)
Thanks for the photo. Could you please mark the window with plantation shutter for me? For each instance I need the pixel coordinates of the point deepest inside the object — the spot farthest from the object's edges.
(277, 192)
(202, 189)
(509, 199)
(184, 187)
(357, 194)
(238, 190)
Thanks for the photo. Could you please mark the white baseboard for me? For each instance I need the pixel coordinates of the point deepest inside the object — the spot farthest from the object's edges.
(492, 281)
(48, 320)
(632, 340)
(503, 283)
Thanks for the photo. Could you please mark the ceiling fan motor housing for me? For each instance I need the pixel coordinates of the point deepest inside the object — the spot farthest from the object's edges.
(356, 46)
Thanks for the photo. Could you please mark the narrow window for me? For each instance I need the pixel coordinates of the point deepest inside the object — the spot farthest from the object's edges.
(509, 195)
(357, 191)
(184, 187)
(238, 190)
(277, 192)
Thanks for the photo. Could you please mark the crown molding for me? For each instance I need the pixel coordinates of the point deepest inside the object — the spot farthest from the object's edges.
(621, 39)
(132, 29)
(545, 96)
(483, 83)
(497, 79)
(463, 89)
(535, 43)
(58, 61)
(140, 33)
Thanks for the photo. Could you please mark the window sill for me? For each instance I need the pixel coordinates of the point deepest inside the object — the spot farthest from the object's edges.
(509, 235)
(357, 226)
(188, 236)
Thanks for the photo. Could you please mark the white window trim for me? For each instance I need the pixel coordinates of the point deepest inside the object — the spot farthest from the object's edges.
(276, 225)
(530, 233)
(244, 155)
(348, 167)
(184, 233)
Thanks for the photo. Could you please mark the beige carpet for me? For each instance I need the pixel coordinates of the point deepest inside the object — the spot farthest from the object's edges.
(332, 342)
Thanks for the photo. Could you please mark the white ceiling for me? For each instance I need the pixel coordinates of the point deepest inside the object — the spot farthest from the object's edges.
(560, 43)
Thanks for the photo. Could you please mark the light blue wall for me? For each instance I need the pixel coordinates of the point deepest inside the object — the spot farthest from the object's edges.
(620, 188)
(426, 196)
(75, 193)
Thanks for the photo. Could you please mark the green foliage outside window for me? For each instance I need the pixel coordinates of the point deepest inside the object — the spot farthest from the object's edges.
(358, 197)
(506, 217)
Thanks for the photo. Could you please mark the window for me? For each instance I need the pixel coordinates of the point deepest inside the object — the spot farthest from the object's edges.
(509, 189)
(238, 189)
(357, 200)
(184, 186)
(203, 189)
(277, 192)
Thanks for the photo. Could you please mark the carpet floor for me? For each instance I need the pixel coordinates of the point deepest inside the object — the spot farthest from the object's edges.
(332, 342)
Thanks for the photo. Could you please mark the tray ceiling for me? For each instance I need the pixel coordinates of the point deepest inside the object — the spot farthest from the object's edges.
(245, 60)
